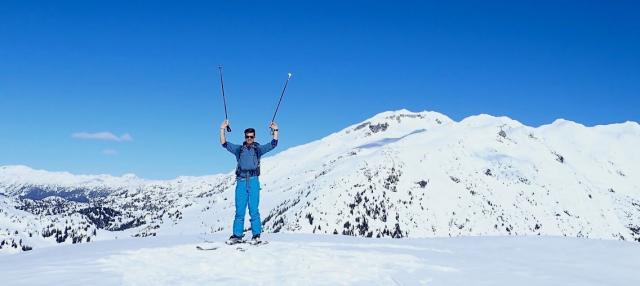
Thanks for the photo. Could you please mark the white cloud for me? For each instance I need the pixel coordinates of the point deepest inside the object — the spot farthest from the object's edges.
(109, 152)
(105, 136)
(126, 137)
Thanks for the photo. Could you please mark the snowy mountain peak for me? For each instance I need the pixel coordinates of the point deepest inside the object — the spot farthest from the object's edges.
(406, 115)
(485, 120)
(563, 123)
(21, 180)
(628, 127)
(130, 176)
(393, 124)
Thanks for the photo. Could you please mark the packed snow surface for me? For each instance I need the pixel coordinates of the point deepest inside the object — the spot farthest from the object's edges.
(303, 259)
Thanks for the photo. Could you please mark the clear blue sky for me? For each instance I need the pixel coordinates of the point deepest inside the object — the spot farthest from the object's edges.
(148, 69)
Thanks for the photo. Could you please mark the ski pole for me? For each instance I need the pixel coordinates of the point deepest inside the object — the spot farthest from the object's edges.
(280, 100)
(224, 100)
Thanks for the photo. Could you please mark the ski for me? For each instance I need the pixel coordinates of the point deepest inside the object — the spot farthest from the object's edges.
(258, 243)
(229, 242)
(198, 247)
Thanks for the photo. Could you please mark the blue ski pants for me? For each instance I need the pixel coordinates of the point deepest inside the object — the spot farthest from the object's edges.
(247, 193)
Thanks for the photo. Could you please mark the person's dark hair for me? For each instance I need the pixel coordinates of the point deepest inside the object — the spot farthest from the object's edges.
(249, 130)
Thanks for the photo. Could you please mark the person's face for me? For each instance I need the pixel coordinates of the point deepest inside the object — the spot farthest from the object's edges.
(249, 137)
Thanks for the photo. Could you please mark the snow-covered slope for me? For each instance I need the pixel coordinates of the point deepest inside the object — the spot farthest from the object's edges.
(301, 259)
(398, 174)
(421, 174)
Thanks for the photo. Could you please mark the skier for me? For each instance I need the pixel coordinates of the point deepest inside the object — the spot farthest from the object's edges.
(247, 184)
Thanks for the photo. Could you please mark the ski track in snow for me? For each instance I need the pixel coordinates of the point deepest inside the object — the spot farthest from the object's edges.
(386, 141)
(298, 259)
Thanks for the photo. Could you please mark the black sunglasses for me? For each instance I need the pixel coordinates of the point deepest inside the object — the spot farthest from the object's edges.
(246, 137)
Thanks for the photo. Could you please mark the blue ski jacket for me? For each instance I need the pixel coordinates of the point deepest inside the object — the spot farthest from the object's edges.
(248, 157)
